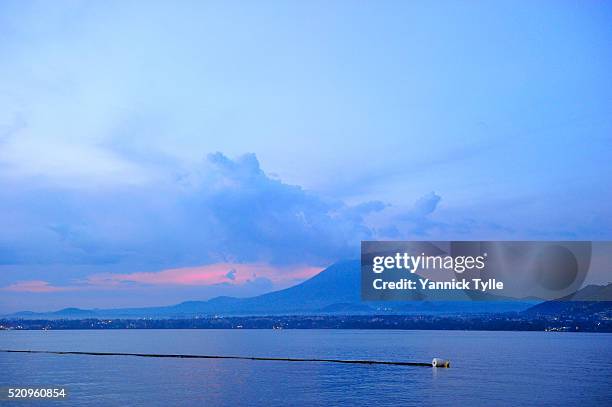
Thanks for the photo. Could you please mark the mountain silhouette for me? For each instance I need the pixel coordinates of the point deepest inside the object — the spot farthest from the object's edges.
(587, 301)
(335, 290)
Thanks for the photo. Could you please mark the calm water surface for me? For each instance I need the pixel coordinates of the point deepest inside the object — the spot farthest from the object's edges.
(489, 368)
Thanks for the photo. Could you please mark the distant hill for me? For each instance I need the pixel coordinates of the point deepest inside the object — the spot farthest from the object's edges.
(591, 293)
(590, 300)
(335, 290)
(63, 313)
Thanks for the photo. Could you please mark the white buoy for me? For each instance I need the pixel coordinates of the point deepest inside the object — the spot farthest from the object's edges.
(437, 362)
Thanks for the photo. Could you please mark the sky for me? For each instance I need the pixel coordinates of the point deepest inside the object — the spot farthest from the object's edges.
(154, 152)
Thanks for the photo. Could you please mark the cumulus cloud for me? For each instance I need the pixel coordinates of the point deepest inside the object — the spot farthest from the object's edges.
(226, 210)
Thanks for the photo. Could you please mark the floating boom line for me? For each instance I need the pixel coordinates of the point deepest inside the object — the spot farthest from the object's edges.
(435, 363)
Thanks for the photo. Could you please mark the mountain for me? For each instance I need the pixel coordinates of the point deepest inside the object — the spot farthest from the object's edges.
(335, 290)
(588, 301)
(338, 284)
(63, 313)
(591, 293)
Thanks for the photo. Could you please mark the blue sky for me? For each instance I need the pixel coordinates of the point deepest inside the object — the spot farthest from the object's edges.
(268, 138)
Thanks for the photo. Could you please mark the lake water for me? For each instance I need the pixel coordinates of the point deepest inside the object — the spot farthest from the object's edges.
(488, 368)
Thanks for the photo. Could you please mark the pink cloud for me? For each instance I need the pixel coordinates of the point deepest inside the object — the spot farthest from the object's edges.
(230, 273)
(35, 286)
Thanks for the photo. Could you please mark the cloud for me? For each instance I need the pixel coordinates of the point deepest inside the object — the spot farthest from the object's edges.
(224, 221)
(426, 204)
(224, 210)
(35, 286)
(414, 222)
(208, 275)
(257, 277)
